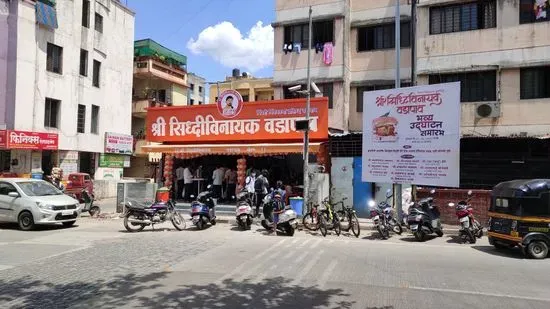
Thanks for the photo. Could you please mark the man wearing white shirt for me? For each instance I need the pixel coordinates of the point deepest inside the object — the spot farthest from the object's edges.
(179, 182)
(217, 181)
(188, 182)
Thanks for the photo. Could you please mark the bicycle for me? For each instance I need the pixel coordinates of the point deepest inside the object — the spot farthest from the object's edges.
(329, 219)
(351, 216)
(311, 218)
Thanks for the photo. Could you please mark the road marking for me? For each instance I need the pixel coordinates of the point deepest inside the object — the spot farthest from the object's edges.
(289, 254)
(301, 258)
(327, 273)
(303, 243)
(4, 267)
(247, 263)
(315, 244)
(478, 293)
(307, 268)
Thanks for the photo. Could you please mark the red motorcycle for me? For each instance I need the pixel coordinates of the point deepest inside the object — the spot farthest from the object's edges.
(470, 228)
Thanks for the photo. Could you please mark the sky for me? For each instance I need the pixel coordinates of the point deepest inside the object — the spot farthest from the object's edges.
(215, 35)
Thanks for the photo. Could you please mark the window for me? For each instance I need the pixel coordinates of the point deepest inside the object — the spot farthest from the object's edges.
(382, 37)
(81, 119)
(200, 89)
(54, 58)
(97, 72)
(463, 17)
(51, 113)
(535, 83)
(327, 90)
(531, 12)
(83, 62)
(6, 188)
(95, 120)
(192, 86)
(200, 102)
(161, 95)
(474, 86)
(245, 98)
(98, 23)
(86, 13)
(322, 31)
(360, 90)
(191, 102)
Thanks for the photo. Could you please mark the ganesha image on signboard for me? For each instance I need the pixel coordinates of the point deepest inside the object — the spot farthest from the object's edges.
(384, 128)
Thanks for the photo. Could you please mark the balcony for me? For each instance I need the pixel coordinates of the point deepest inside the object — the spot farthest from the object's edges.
(148, 67)
(140, 105)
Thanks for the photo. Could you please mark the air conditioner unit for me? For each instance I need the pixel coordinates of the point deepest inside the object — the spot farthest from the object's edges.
(487, 110)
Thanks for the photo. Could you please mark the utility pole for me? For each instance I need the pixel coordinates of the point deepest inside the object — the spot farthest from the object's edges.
(397, 187)
(306, 132)
(413, 64)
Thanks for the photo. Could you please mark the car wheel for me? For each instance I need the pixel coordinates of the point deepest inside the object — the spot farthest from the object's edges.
(26, 221)
(69, 223)
(537, 249)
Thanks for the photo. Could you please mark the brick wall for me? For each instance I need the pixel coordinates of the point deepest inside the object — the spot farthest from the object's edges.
(442, 197)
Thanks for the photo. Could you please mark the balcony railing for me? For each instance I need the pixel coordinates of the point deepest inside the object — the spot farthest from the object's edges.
(160, 69)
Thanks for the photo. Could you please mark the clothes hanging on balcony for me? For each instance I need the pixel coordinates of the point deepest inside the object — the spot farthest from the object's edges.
(297, 47)
(328, 53)
(287, 48)
(318, 48)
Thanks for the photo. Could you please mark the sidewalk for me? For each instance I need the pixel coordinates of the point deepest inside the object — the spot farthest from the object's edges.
(108, 211)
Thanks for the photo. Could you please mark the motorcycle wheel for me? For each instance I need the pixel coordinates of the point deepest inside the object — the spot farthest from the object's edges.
(355, 226)
(397, 229)
(94, 211)
(323, 225)
(470, 236)
(290, 231)
(382, 232)
(420, 236)
(178, 221)
(200, 224)
(439, 233)
(310, 222)
(479, 229)
(213, 222)
(132, 227)
(264, 224)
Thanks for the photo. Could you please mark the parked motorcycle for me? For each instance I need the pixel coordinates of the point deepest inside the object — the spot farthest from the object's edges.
(383, 219)
(470, 228)
(286, 222)
(203, 209)
(137, 217)
(244, 210)
(424, 218)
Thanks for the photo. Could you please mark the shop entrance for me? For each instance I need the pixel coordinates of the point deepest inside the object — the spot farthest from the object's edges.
(47, 162)
(85, 162)
(5, 159)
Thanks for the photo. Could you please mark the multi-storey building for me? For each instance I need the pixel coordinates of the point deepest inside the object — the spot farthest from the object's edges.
(197, 92)
(160, 79)
(66, 68)
(499, 50)
(251, 88)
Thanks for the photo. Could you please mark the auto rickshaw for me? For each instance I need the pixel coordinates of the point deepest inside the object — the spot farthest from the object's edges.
(519, 215)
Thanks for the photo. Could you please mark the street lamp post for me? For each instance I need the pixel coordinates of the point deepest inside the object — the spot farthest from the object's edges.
(306, 132)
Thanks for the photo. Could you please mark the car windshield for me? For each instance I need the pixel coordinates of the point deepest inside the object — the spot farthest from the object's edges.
(38, 188)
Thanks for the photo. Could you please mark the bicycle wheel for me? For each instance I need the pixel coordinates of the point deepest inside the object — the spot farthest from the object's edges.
(336, 226)
(342, 216)
(354, 223)
(310, 222)
(323, 225)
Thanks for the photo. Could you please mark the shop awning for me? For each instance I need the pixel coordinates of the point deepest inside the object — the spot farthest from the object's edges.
(232, 149)
(46, 15)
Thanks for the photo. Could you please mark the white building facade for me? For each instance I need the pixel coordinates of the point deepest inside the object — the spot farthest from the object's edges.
(68, 71)
(197, 90)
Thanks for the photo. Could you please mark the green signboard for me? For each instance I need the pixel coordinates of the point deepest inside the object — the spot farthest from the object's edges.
(111, 160)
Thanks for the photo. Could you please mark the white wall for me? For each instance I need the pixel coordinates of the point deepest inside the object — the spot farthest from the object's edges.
(113, 48)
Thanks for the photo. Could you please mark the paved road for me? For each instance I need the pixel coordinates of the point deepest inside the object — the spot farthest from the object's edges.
(98, 265)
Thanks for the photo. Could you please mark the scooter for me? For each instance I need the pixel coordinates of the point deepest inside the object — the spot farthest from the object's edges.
(287, 222)
(88, 201)
(244, 210)
(203, 209)
(424, 218)
(470, 228)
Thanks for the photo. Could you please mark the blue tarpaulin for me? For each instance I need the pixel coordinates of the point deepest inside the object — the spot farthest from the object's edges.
(46, 15)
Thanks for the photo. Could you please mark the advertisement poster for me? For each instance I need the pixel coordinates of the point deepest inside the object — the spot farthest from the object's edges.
(11, 139)
(113, 160)
(119, 143)
(412, 135)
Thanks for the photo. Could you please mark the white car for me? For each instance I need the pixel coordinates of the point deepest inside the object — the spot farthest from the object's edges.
(32, 201)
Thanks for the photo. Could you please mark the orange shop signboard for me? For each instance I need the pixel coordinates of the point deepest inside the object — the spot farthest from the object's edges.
(250, 122)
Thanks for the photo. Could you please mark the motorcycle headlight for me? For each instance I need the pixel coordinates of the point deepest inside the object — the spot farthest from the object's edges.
(45, 206)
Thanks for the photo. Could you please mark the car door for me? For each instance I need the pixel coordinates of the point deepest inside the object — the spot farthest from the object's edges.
(8, 204)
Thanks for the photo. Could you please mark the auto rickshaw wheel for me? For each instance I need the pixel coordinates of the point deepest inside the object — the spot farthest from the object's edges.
(94, 211)
(537, 249)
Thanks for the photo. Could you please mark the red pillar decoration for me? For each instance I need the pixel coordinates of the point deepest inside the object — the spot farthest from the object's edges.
(168, 166)
(241, 173)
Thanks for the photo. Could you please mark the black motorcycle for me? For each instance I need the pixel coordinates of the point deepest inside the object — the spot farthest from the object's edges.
(383, 219)
(137, 217)
(424, 218)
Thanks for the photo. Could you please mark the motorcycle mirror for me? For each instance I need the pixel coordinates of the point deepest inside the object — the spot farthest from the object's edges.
(389, 193)
(451, 204)
(469, 192)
